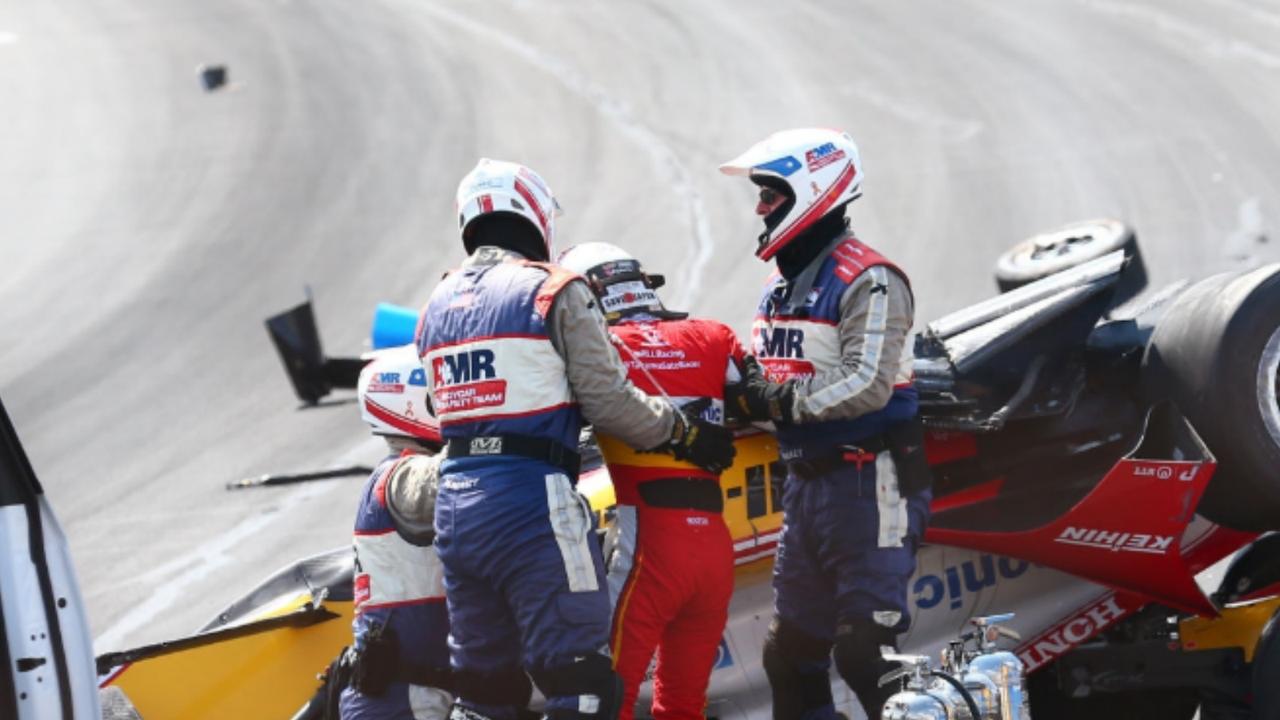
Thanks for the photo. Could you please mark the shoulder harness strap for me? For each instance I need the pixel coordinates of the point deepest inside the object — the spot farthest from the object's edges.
(558, 278)
(853, 257)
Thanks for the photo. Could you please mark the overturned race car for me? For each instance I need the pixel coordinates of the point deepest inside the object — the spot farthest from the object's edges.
(1095, 446)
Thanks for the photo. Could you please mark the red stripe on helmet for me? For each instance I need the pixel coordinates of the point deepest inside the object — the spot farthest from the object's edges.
(815, 211)
(419, 429)
(537, 209)
(486, 204)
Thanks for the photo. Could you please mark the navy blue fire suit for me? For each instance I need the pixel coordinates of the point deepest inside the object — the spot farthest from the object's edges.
(850, 531)
(399, 587)
(523, 571)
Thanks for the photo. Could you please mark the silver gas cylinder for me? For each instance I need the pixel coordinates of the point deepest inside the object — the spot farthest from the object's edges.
(915, 705)
(985, 693)
(993, 679)
(925, 696)
(1006, 673)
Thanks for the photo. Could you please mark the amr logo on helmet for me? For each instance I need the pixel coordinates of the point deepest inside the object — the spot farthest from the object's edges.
(822, 156)
(386, 382)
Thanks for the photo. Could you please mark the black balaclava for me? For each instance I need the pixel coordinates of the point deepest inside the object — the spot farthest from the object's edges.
(798, 253)
(796, 256)
(508, 231)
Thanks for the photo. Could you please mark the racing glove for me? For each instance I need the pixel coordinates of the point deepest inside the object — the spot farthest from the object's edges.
(755, 398)
(703, 443)
(375, 664)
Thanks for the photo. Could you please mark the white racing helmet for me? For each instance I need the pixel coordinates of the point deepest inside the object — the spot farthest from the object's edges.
(393, 395)
(617, 279)
(495, 186)
(817, 169)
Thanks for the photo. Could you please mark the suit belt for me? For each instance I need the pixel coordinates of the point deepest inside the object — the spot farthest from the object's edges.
(534, 448)
(859, 454)
(682, 493)
(904, 441)
(435, 677)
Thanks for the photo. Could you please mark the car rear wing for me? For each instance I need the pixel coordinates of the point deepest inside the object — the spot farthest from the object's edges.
(312, 374)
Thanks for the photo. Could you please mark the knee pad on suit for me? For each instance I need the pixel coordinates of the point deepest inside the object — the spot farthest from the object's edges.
(503, 687)
(859, 661)
(591, 680)
(796, 664)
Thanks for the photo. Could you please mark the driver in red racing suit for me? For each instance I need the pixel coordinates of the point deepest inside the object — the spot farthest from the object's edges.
(671, 574)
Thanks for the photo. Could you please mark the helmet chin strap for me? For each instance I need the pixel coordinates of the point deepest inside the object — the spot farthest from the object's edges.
(400, 443)
(797, 288)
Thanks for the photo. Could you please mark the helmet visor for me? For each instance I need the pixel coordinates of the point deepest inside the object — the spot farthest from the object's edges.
(775, 200)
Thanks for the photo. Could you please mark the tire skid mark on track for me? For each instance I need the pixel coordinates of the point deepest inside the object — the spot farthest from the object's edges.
(1212, 44)
(952, 129)
(200, 563)
(1247, 7)
(1249, 235)
(617, 111)
(215, 554)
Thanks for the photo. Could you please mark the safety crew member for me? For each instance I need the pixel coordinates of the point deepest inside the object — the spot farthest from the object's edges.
(833, 375)
(517, 354)
(671, 574)
(399, 661)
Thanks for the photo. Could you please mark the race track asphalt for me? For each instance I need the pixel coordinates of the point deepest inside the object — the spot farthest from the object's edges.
(147, 227)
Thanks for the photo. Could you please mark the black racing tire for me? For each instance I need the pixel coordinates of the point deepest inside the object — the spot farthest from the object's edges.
(1048, 702)
(1252, 570)
(1266, 669)
(1216, 354)
(1051, 252)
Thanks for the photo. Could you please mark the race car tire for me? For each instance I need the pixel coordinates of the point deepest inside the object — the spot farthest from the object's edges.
(1253, 570)
(1266, 668)
(1051, 252)
(1216, 354)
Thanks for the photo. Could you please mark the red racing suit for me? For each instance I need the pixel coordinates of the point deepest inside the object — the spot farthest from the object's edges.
(671, 575)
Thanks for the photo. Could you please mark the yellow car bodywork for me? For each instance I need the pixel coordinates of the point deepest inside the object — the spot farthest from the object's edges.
(1239, 625)
(267, 673)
